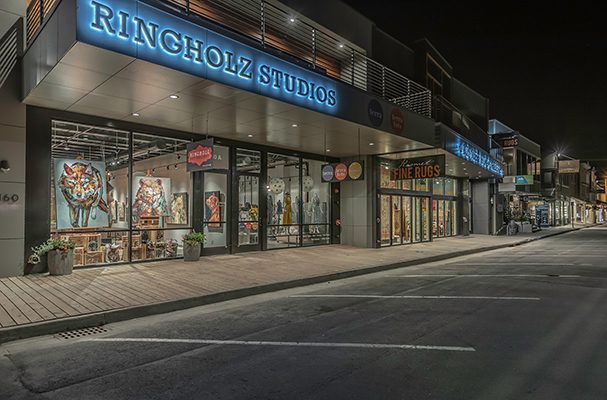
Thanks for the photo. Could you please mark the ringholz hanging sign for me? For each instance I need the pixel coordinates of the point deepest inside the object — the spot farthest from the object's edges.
(200, 155)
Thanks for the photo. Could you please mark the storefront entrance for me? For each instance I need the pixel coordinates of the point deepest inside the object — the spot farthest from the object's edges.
(404, 219)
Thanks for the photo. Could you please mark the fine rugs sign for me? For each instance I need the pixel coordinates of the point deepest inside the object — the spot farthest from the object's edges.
(418, 168)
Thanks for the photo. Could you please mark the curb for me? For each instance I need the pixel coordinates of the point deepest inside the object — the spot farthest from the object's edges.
(123, 314)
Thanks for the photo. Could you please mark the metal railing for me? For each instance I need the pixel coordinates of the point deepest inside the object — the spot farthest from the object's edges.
(276, 27)
(10, 50)
(448, 114)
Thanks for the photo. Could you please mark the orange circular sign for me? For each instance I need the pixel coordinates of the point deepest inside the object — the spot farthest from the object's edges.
(341, 171)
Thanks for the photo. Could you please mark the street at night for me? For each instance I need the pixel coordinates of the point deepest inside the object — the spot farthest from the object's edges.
(526, 322)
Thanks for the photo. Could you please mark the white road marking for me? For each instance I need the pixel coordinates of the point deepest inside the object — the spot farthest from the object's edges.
(487, 276)
(374, 296)
(286, 344)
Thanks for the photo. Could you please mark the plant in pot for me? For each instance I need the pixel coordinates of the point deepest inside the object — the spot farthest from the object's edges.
(192, 243)
(59, 254)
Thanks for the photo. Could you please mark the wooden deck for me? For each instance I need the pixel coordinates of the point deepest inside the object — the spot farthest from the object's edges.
(35, 298)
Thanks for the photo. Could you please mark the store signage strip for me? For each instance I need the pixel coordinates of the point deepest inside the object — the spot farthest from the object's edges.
(418, 168)
(343, 171)
(139, 30)
(475, 155)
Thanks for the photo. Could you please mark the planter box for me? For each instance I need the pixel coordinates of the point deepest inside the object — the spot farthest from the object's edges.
(60, 262)
(191, 252)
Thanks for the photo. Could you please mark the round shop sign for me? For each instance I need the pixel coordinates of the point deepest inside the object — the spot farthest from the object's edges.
(376, 113)
(397, 120)
(355, 170)
(341, 171)
(327, 173)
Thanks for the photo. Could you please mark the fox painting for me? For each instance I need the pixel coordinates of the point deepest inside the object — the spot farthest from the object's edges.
(82, 186)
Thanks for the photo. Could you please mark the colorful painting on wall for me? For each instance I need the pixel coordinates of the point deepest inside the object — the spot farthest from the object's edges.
(80, 194)
(179, 209)
(150, 197)
(212, 207)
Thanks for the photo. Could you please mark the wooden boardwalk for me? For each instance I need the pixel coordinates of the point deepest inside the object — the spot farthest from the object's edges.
(35, 298)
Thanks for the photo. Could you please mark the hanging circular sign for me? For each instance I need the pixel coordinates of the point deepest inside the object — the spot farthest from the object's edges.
(355, 170)
(341, 171)
(327, 173)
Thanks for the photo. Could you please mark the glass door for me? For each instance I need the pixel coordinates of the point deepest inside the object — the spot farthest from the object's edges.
(407, 219)
(425, 217)
(417, 231)
(396, 220)
(247, 195)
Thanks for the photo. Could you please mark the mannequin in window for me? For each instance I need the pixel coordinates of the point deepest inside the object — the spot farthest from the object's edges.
(287, 214)
(316, 213)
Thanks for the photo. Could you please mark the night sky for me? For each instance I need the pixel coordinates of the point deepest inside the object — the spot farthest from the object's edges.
(541, 64)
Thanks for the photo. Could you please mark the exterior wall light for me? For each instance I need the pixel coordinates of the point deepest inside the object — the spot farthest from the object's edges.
(4, 166)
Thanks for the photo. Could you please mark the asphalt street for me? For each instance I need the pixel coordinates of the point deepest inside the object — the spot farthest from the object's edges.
(527, 322)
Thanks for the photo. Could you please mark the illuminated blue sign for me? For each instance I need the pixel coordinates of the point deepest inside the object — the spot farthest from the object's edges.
(136, 29)
(475, 155)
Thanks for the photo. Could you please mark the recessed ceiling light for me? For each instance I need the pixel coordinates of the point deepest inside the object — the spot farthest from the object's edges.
(371, 144)
(341, 45)
(291, 19)
(249, 135)
(174, 96)
(328, 150)
(294, 125)
(135, 114)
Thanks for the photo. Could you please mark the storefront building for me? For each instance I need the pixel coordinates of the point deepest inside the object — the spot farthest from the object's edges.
(146, 120)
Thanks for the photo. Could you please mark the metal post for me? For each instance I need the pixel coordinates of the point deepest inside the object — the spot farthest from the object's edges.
(262, 17)
(314, 46)
(352, 61)
(383, 82)
(41, 13)
(187, 7)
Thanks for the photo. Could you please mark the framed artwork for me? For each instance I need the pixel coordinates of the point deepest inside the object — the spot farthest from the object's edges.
(179, 209)
(80, 194)
(213, 210)
(150, 197)
(121, 211)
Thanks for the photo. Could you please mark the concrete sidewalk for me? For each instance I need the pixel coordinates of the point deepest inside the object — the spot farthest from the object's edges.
(34, 305)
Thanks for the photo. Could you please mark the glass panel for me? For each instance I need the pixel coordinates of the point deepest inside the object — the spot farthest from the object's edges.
(215, 200)
(441, 218)
(248, 210)
(89, 191)
(384, 176)
(448, 217)
(437, 185)
(434, 218)
(385, 220)
(450, 186)
(316, 210)
(407, 184)
(162, 190)
(316, 234)
(425, 213)
(396, 220)
(248, 161)
(221, 157)
(155, 244)
(421, 185)
(284, 201)
(407, 219)
(417, 233)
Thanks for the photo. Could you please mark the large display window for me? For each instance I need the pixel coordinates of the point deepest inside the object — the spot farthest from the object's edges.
(119, 196)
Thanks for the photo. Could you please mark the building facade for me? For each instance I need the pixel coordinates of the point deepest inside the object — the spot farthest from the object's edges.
(265, 125)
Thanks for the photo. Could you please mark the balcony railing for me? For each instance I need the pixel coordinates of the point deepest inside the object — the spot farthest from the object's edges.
(278, 28)
(11, 45)
(449, 115)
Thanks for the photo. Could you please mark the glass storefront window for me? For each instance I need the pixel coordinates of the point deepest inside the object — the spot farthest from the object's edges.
(284, 201)
(215, 188)
(94, 201)
(385, 231)
(450, 186)
(407, 219)
(396, 219)
(89, 195)
(384, 177)
(161, 188)
(425, 216)
(316, 203)
(438, 186)
(421, 185)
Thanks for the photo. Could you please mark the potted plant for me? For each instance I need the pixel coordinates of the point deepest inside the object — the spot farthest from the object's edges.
(59, 254)
(192, 243)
